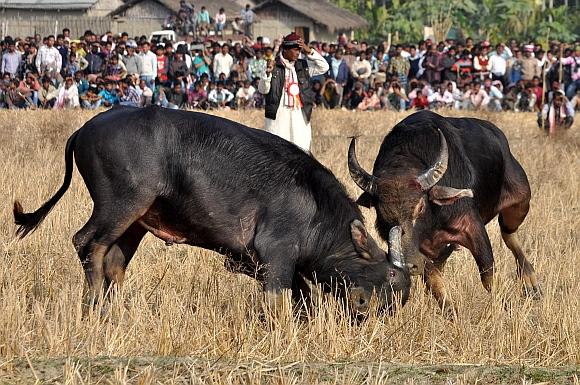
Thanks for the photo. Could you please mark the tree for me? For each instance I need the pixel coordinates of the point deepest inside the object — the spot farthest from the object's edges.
(484, 19)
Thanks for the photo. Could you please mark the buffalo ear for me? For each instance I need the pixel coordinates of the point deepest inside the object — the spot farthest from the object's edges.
(365, 200)
(360, 238)
(443, 196)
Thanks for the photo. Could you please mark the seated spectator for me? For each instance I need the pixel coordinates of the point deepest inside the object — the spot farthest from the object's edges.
(397, 97)
(197, 97)
(68, 95)
(556, 114)
(495, 95)
(237, 27)
(420, 102)
(575, 102)
(91, 99)
(145, 93)
(220, 21)
(245, 95)
(510, 97)
(128, 95)
(450, 96)
(203, 22)
(172, 98)
(436, 97)
(242, 68)
(115, 70)
(370, 102)
(331, 97)
(108, 94)
(219, 97)
(47, 94)
(361, 69)
(31, 84)
(17, 98)
(81, 82)
(356, 96)
(525, 100)
(3, 90)
(475, 98)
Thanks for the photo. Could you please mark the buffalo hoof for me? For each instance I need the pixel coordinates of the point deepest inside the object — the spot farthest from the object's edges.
(449, 311)
(534, 292)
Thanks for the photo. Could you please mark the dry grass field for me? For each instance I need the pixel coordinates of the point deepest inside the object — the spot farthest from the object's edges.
(183, 318)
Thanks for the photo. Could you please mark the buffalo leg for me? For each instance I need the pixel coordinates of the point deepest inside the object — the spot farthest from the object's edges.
(435, 283)
(120, 254)
(93, 242)
(475, 239)
(510, 218)
(278, 273)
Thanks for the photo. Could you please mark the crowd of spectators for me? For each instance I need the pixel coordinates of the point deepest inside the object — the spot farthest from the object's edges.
(93, 71)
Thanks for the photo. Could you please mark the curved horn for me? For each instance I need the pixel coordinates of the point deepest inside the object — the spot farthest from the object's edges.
(430, 177)
(363, 179)
(395, 248)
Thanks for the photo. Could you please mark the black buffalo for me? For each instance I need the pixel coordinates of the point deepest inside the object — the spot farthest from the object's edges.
(205, 181)
(436, 182)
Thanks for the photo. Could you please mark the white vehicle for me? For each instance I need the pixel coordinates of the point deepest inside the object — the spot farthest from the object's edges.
(160, 35)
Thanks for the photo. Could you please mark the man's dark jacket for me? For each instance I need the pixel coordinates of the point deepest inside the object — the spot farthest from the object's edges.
(272, 98)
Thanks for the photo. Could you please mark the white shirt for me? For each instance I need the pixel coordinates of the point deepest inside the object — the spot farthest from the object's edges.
(216, 96)
(149, 64)
(48, 59)
(222, 64)
(246, 93)
(497, 65)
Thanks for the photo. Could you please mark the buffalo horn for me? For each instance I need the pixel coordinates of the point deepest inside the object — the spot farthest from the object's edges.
(430, 177)
(363, 179)
(395, 248)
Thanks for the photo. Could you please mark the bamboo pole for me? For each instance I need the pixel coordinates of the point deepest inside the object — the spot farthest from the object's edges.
(561, 65)
(544, 89)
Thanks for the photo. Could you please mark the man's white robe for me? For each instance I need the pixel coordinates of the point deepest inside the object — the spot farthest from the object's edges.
(290, 122)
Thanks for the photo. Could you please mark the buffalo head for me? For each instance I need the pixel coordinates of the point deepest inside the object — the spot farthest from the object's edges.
(404, 200)
(375, 272)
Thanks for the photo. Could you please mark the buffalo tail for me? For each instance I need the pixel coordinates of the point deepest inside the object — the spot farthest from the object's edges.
(28, 222)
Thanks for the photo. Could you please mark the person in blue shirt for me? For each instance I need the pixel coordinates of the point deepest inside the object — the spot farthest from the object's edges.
(201, 62)
(203, 21)
(338, 71)
(109, 95)
(82, 83)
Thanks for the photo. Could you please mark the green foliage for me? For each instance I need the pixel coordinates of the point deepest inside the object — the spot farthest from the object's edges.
(496, 20)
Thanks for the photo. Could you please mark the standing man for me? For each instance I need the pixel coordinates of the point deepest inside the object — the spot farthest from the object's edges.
(132, 61)
(289, 97)
(48, 59)
(338, 72)
(498, 65)
(248, 17)
(222, 63)
(148, 65)
(11, 60)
